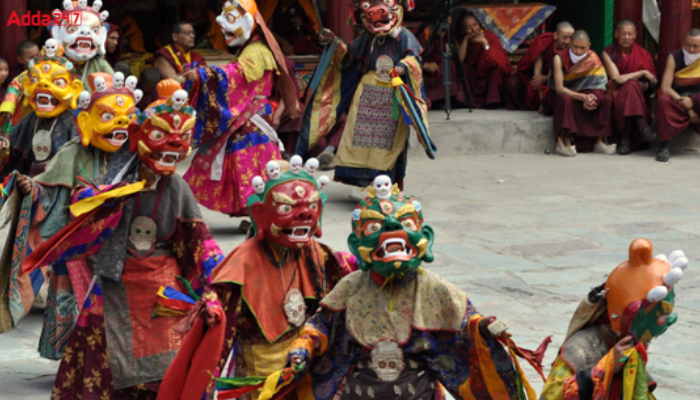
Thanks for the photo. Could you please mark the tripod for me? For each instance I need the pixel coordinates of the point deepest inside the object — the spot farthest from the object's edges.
(441, 21)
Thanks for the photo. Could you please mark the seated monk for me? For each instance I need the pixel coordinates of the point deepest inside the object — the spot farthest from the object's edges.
(175, 59)
(433, 65)
(678, 102)
(581, 107)
(207, 30)
(632, 77)
(484, 61)
(524, 90)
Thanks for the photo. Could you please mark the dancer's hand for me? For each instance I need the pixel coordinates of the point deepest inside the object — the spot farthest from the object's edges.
(619, 352)
(25, 184)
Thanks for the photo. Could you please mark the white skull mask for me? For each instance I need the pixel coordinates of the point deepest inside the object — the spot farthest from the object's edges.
(100, 84)
(387, 360)
(41, 145)
(294, 307)
(258, 185)
(295, 164)
(82, 4)
(67, 5)
(143, 233)
(51, 47)
(85, 41)
(323, 181)
(273, 169)
(179, 99)
(97, 5)
(138, 95)
(236, 24)
(131, 82)
(384, 66)
(311, 166)
(118, 80)
(382, 186)
(84, 100)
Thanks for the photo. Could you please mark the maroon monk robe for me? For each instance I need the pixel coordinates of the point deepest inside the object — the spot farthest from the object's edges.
(519, 94)
(630, 99)
(672, 119)
(571, 119)
(434, 88)
(179, 62)
(485, 71)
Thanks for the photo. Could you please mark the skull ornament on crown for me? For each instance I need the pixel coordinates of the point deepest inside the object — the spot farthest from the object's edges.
(640, 292)
(107, 112)
(382, 17)
(388, 235)
(163, 132)
(237, 21)
(287, 209)
(85, 41)
(51, 86)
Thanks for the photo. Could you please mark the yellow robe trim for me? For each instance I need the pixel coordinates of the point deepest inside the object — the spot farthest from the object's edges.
(86, 205)
(256, 59)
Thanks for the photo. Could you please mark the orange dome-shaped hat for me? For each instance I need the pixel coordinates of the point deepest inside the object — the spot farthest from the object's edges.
(641, 280)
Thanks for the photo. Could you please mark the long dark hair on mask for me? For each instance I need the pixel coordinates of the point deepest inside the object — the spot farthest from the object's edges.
(313, 273)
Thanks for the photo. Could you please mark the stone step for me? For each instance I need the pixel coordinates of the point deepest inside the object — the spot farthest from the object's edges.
(487, 131)
(502, 131)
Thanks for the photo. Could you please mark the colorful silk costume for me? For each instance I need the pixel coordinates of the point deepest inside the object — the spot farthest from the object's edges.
(95, 157)
(637, 300)
(375, 135)
(234, 133)
(264, 290)
(395, 330)
(139, 263)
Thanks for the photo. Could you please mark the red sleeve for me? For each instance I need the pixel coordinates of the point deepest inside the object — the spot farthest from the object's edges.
(495, 57)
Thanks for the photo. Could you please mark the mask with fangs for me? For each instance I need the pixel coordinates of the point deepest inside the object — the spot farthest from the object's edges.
(163, 133)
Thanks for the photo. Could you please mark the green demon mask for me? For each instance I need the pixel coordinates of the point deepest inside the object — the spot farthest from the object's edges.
(652, 320)
(389, 236)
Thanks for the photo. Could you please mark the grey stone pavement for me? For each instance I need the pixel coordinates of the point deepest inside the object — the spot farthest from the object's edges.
(525, 235)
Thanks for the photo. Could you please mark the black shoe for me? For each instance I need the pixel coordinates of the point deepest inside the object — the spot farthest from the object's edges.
(648, 135)
(663, 154)
(624, 148)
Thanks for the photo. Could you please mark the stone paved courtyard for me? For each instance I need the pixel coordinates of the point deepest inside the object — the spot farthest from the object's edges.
(525, 235)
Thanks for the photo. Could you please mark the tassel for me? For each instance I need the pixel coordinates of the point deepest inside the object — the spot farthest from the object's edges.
(395, 106)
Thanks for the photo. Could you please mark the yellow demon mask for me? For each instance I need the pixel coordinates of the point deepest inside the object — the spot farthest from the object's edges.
(108, 111)
(51, 86)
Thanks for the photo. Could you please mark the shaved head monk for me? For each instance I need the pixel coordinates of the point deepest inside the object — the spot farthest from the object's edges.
(678, 103)
(485, 63)
(632, 78)
(582, 109)
(523, 91)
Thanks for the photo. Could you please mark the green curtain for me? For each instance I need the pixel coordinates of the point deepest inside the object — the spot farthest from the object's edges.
(593, 16)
